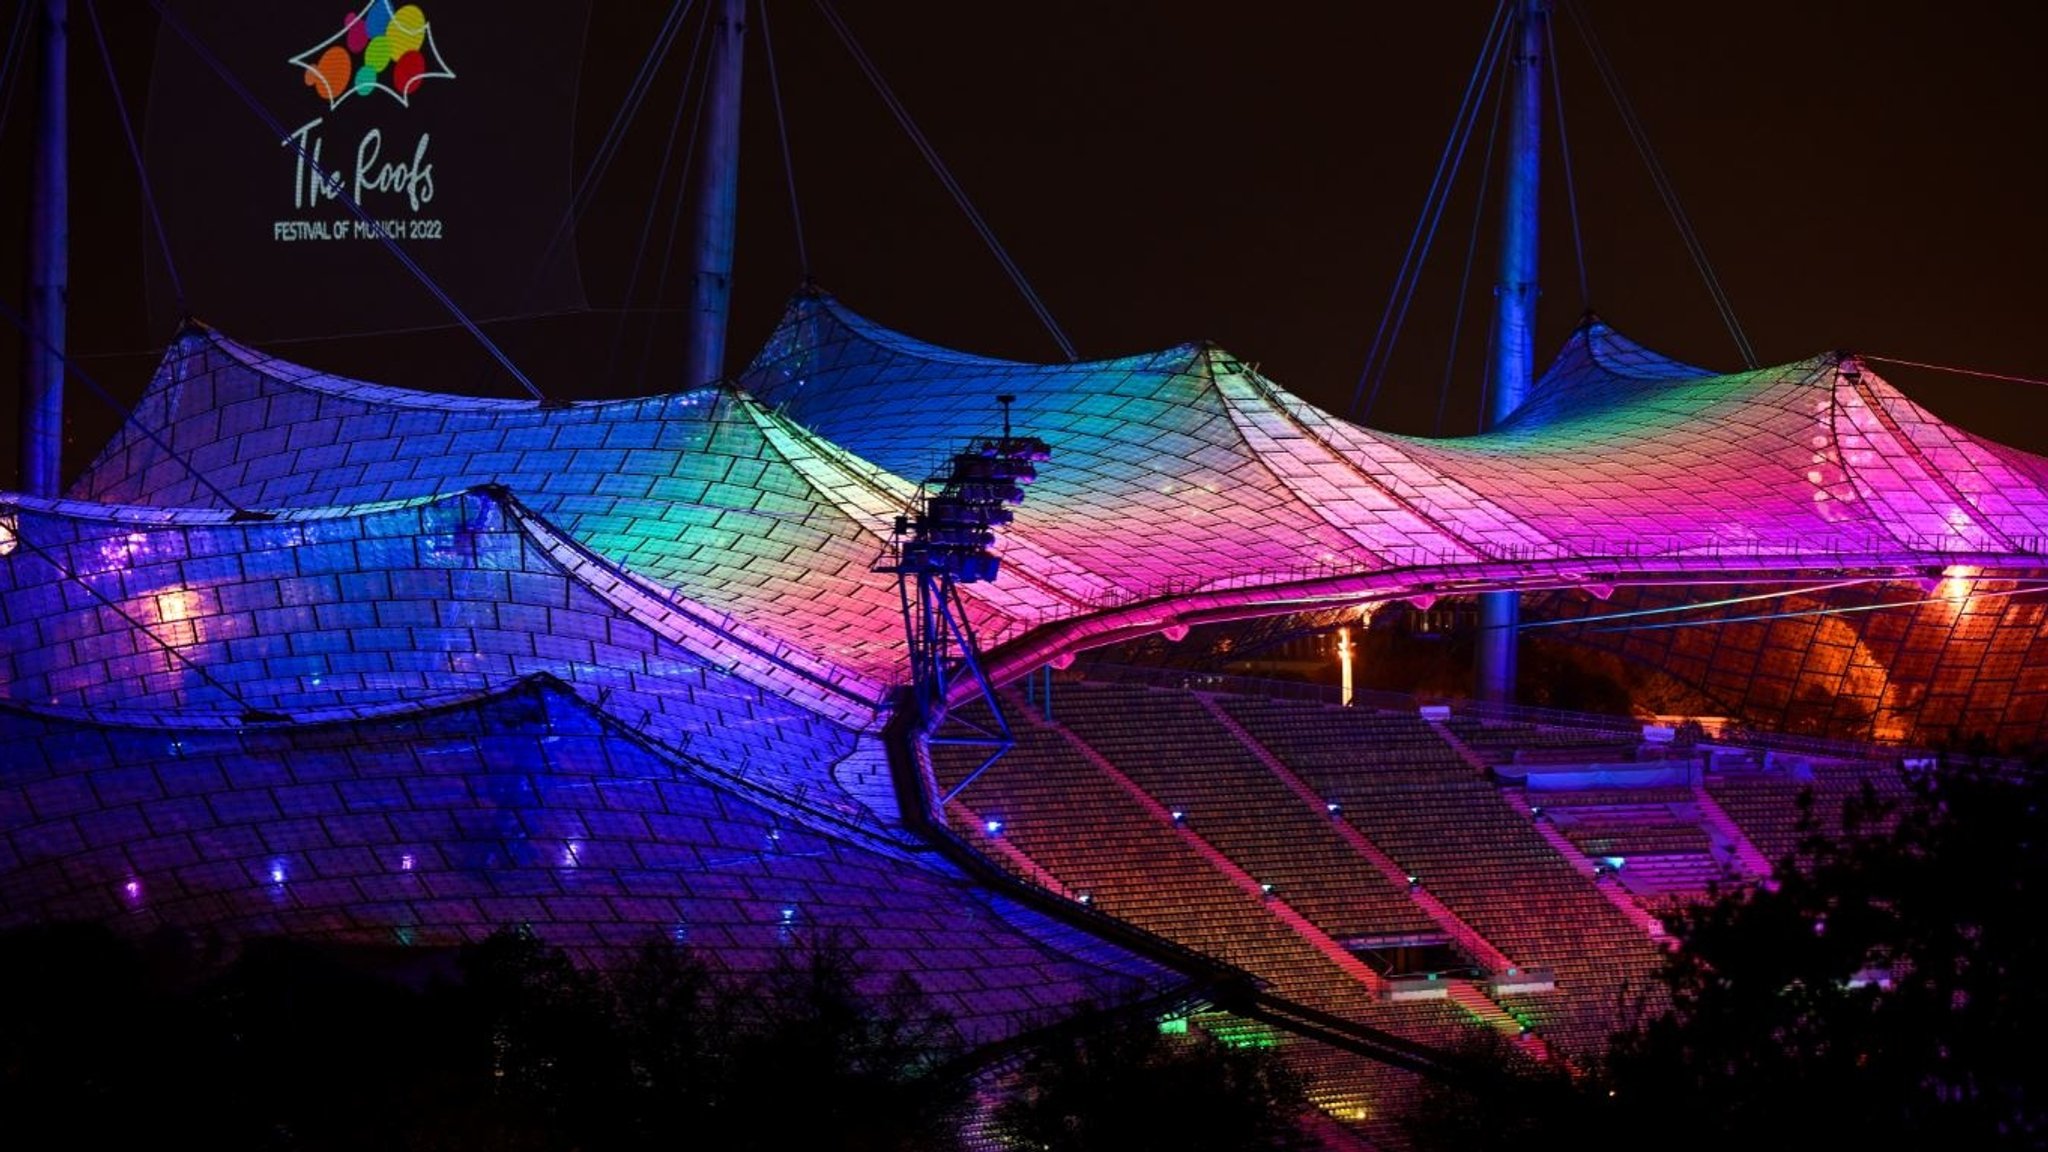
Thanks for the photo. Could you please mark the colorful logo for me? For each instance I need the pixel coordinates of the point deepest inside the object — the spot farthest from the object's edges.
(379, 49)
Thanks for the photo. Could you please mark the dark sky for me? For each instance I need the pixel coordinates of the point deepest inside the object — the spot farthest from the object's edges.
(1868, 175)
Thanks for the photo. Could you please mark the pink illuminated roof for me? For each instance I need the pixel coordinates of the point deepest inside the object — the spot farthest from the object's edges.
(1184, 485)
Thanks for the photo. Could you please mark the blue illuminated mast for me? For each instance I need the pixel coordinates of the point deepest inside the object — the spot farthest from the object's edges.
(49, 269)
(717, 200)
(1514, 315)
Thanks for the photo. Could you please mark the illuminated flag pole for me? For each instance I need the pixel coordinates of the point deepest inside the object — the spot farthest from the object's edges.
(49, 269)
(1344, 654)
(1514, 355)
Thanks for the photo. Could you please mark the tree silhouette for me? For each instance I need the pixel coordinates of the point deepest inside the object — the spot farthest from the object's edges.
(819, 1063)
(1117, 1082)
(1882, 990)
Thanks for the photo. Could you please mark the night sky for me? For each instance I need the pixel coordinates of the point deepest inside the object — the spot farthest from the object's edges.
(1868, 176)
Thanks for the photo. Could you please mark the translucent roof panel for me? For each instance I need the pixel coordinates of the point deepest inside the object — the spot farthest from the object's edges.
(703, 494)
(1182, 481)
(1620, 453)
(142, 614)
(434, 827)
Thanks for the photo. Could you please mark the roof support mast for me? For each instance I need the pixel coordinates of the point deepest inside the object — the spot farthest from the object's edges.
(49, 269)
(717, 199)
(1514, 312)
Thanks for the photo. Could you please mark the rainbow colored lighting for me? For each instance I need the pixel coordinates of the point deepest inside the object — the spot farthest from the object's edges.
(1186, 483)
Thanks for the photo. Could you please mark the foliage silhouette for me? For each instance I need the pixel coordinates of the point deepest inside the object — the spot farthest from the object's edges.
(299, 1046)
(1116, 1083)
(1882, 991)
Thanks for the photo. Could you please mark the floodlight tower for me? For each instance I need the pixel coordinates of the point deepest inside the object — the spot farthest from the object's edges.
(947, 541)
(1514, 312)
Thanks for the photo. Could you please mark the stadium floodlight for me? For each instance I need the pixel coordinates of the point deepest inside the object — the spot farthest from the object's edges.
(948, 540)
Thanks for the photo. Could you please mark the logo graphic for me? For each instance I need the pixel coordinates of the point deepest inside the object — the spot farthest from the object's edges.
(379, 49)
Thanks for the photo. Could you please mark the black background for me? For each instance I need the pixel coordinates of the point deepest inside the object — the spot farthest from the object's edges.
(1863, 175)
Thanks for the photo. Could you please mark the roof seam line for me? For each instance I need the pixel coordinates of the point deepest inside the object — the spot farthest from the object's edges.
(1267, 393)
(1898, 435)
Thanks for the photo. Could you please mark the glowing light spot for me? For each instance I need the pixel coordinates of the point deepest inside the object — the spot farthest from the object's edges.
(572, 854)
(405, 862)
(995, 827)
(132, 890)
(277, 872)
(176, 606)
(1958, 583)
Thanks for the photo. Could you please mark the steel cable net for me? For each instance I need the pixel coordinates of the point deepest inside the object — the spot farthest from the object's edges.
(143, 615)
(1183, 473)
(616, 667)
(433, 827)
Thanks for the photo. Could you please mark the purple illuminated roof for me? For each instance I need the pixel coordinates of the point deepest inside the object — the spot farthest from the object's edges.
(311, 655)
(424, 827)
(1184, 485)
(136, 614)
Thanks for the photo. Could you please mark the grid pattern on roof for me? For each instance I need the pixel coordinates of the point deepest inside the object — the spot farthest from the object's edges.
(692, 492)
(1174, 473)
(1919, 662)
(127, 618)
(1619, 451)
(525, 806)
